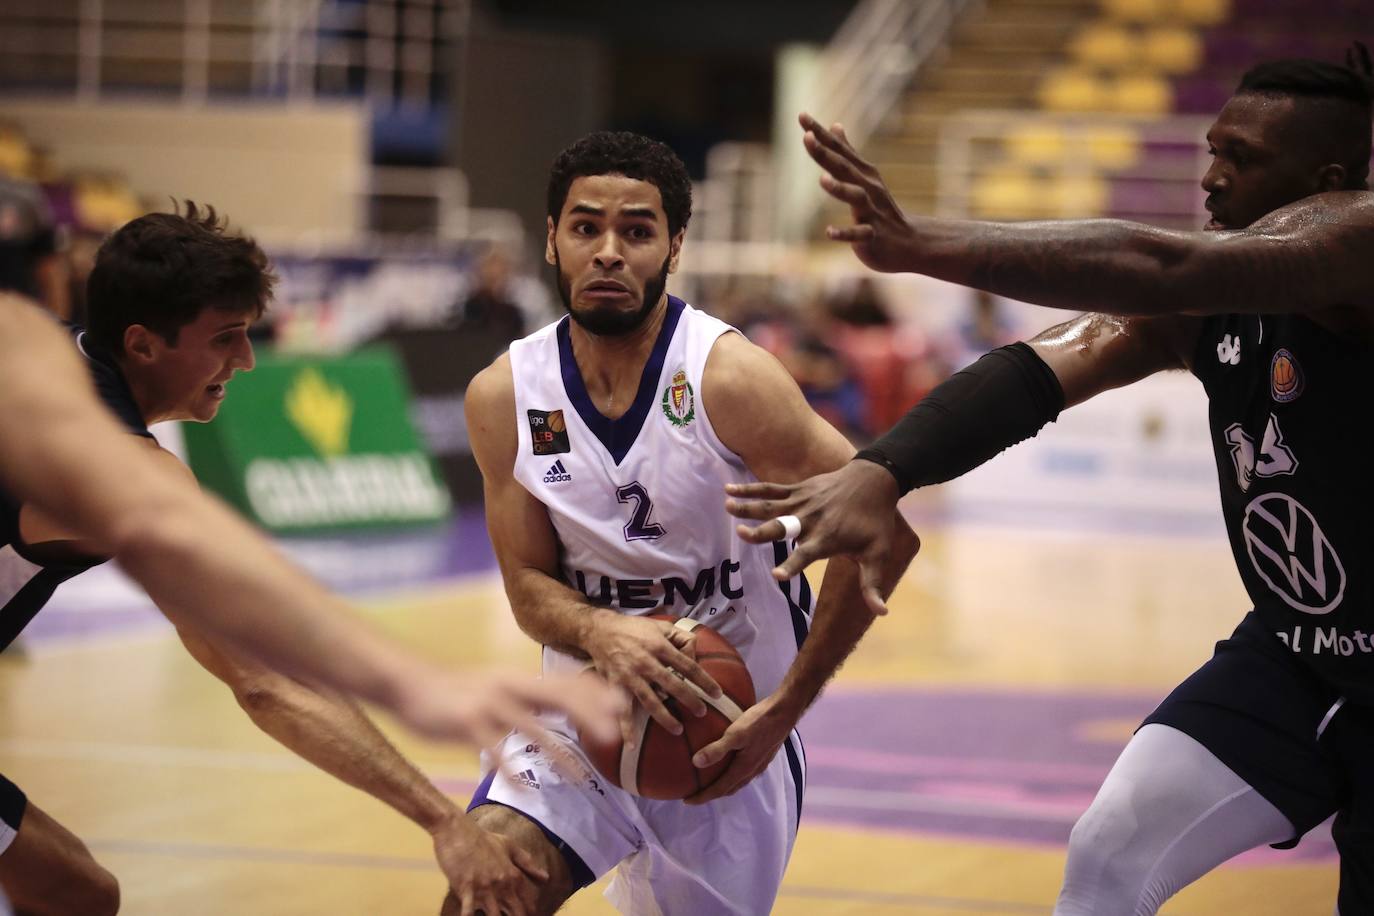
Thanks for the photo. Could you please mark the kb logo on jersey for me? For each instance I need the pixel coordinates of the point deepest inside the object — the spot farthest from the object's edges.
(1292, 555)
(548, 432)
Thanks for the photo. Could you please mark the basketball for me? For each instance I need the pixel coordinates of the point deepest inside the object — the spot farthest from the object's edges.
(556, 423)
(661, 766)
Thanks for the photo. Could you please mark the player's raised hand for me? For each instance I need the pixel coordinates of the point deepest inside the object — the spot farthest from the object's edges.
(881, 236)
(486, 872)
(849, 512)
(649, 659)
(481, 708)
(755, 738)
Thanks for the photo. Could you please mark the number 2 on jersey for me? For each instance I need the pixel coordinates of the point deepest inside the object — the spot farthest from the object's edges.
(640, 527)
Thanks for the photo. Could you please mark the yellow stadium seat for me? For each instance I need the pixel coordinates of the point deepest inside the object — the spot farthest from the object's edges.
(1142, 94)
(1074, 90)
(1171, 49)
(1106, 47)
(1008, 194)
(1136, 10)
(1077, 197)
(1036, 144)
(1113, 149)
(1201, 12)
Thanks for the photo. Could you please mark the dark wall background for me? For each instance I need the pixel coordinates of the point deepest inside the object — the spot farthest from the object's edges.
(537, 74)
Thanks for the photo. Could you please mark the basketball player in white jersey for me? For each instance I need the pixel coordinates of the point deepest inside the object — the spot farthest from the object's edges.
(604, 442)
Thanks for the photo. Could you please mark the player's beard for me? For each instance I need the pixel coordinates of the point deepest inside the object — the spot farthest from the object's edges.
(611, 322)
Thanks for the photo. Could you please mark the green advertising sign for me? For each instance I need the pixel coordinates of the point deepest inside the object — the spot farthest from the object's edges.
(309, 444)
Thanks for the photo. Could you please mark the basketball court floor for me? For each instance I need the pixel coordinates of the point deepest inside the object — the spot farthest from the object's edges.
(947, 763)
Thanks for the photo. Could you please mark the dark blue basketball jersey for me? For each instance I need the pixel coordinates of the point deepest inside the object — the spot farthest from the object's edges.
(1293, 442)
(26, 580)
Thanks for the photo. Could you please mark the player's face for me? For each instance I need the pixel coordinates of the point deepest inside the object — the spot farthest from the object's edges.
(186, 381)
(1257, 162)
(613, 253)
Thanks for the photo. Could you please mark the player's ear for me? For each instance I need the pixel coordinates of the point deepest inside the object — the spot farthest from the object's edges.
(549, 255)
(1331, 178)
(138, 343)
(675, 250)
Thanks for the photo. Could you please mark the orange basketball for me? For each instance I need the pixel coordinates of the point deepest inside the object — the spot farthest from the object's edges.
(660, 766)
(1284, 376)
(556, 423)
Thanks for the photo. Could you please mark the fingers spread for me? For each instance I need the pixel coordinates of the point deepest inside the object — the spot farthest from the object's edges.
(762, 534)
(761, 510)
(758, 490)
(688, 668)
(860, 233)
(796, 562)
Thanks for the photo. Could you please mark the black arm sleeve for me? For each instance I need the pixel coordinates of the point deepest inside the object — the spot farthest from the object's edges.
(1002, 399)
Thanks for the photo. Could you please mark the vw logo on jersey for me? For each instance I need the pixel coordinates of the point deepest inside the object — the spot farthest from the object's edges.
(1292, 555)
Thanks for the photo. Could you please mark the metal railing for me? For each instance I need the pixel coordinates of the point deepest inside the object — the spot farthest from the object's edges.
(861, 77)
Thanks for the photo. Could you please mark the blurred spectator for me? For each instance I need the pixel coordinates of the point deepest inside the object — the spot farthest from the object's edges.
(30, 260)
(985, 328)
(490, 307)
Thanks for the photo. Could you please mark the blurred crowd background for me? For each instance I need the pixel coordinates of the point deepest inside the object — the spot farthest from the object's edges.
(392, 156)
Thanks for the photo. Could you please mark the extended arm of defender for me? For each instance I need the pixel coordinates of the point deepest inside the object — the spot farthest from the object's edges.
(759, 413)
(962, 423)
(635, 653)
(1311, 255)
(62, 452)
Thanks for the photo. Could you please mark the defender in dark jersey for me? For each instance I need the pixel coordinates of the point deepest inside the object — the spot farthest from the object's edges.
(1273, 309)
(171, 300)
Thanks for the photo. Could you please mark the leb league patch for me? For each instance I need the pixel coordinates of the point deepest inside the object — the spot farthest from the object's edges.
(548, 432)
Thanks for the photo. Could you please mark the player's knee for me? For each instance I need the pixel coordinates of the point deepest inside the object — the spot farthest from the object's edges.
(1105, 872)
(89, 889)
(520, 830)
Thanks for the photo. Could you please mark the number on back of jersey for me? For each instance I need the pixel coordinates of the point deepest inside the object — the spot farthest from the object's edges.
(1274, 459)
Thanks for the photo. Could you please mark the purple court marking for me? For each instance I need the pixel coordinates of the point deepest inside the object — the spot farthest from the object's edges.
(998, 765)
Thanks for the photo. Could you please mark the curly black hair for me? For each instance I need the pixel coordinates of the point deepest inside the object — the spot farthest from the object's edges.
(163, 269)
(1341, 98)
(629, 154)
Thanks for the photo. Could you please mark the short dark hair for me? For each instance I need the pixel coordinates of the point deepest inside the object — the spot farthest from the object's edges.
(1342, 95)
(632, 155)
(163, 269)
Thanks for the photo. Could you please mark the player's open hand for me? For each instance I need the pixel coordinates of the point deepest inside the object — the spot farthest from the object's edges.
(881, 236)
(650, 659)
(849, 512)
(486, 872)
(755, 738)
(480, 709)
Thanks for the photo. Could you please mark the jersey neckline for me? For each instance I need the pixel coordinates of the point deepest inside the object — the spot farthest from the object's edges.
(618, 436)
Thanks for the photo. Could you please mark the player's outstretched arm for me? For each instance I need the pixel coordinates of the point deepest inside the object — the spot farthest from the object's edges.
(641, 656)
(62, 452)
(333, 733)
(759, 413)
(1311, 255)
(1002, 399)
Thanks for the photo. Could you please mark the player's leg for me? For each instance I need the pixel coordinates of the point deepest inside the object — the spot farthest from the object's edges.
(527, 835)
(46, 869)
(1352, 737)
(1168, 813)
(552, 804)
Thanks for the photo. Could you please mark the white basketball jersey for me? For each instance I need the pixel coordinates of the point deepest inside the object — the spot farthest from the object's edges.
(638, 502)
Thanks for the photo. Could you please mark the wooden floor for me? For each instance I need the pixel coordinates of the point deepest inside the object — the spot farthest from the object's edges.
(148, 759)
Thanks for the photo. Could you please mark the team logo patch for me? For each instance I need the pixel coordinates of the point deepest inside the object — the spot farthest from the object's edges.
(548, 432)
(679, 402)
(1285, 377)
(557, 473)
(1292, 555)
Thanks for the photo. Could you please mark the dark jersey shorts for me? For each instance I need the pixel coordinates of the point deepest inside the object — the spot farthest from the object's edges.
(1291, 736)
(13, 804)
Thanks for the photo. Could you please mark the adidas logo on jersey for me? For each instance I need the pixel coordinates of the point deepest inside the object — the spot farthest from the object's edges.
(527, 779)
(557, 474)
